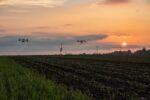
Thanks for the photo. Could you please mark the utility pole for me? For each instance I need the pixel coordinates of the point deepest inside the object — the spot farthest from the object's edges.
(61, 48)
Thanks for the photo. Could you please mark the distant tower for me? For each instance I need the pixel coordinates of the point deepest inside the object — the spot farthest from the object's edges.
(61, 48)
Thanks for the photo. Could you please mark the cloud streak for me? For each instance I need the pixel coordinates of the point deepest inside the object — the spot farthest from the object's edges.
(92, 37)
(44, 3)
(52, 41)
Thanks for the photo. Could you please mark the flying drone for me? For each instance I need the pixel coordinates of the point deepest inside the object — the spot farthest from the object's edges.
(23, 40)
(81, 41)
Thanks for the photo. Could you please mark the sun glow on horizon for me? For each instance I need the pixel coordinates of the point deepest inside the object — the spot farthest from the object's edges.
(124, 44)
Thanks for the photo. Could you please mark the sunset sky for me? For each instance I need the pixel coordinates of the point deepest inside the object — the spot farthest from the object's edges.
(105, 24)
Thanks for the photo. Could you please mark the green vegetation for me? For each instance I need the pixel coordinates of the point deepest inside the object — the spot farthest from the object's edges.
(100, 77)
(20, 83)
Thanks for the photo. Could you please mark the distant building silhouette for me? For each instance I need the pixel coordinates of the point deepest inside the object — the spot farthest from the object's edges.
(129, 52)
(144, 51)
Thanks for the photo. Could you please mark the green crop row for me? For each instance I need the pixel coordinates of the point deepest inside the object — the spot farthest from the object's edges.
(20, 83)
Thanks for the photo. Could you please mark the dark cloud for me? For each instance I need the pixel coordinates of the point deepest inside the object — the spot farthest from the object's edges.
(56, 39)
(92, 37)
(114, 1)
(10, 43)
(68, 36)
